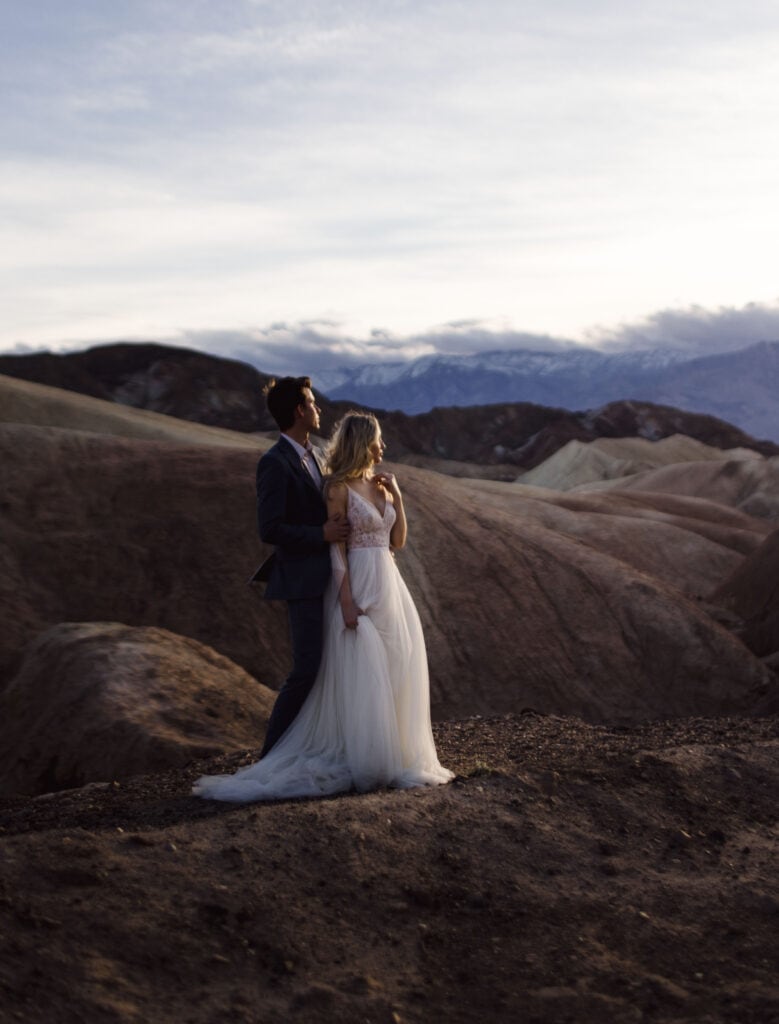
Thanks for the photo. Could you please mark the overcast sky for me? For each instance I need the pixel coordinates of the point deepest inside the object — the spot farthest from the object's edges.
(385, 173)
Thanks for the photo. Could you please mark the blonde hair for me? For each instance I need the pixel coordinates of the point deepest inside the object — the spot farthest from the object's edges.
(348, 453)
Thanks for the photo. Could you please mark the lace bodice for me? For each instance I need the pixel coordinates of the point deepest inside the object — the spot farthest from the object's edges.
(369, 528)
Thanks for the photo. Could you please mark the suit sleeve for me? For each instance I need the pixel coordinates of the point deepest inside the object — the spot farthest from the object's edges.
(272, 512)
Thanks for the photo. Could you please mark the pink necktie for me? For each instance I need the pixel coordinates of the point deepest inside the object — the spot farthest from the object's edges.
(307, 461)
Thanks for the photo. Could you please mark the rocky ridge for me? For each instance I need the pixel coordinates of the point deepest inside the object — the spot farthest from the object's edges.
(226, 393)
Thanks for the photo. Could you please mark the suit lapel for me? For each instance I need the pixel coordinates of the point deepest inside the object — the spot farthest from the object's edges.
(293, 458)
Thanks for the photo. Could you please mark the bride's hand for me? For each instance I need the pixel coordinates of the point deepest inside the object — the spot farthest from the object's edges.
(351, 613)
(389, 481)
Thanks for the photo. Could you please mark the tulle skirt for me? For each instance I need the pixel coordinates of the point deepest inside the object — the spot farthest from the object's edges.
(366, 722)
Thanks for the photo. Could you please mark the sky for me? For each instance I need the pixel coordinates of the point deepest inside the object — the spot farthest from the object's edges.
(388, 178)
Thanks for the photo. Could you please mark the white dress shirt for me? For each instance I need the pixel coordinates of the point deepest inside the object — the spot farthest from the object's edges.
(307, 459)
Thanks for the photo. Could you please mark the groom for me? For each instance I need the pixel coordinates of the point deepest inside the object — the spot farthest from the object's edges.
(292, 515)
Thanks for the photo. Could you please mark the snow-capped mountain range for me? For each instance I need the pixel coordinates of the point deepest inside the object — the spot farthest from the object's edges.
(508, 364)
(741, 387)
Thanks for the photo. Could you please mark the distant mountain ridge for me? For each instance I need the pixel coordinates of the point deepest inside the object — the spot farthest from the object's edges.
(225, 393)
(741, 387)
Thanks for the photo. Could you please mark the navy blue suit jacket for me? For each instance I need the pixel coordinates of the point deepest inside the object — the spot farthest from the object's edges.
(290, 515)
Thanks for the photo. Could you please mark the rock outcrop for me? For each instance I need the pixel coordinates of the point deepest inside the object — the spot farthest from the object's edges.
(103, 701)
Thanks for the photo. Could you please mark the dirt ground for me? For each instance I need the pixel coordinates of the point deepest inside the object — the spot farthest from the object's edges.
(570, 873)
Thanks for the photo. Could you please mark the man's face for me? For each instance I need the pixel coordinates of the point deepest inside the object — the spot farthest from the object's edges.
(309, 411)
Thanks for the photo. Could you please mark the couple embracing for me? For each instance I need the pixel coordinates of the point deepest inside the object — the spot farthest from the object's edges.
(354, 711)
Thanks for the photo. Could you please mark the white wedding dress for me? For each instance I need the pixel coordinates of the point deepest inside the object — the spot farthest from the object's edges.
(366, 722)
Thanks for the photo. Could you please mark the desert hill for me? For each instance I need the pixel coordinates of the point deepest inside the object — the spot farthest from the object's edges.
(683, 541)
(750, 485)
(585, 604)
(161, 378)
(22, 402)
(129, 700)
(226, 393)
(111, 529)
(578, 463)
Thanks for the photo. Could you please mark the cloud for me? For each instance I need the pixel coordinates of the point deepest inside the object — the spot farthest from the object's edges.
(308, 346)
(694, 329)
(470, 337)
(324, 345)
(314, 346)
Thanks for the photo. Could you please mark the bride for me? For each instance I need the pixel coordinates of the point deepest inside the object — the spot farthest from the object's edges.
(366, 721)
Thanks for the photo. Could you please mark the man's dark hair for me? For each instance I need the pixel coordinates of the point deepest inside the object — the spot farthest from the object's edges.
(284, 396)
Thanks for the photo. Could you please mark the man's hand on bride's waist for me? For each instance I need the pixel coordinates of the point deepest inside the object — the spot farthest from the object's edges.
(336, 529)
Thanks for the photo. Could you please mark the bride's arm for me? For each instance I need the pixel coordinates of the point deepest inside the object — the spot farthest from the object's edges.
(399, 530)
(336, 498)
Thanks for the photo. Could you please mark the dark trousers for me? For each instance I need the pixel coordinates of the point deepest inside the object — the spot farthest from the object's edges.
(305, 626)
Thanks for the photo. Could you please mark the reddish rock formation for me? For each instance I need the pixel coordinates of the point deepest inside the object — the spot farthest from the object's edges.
(103, 701)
